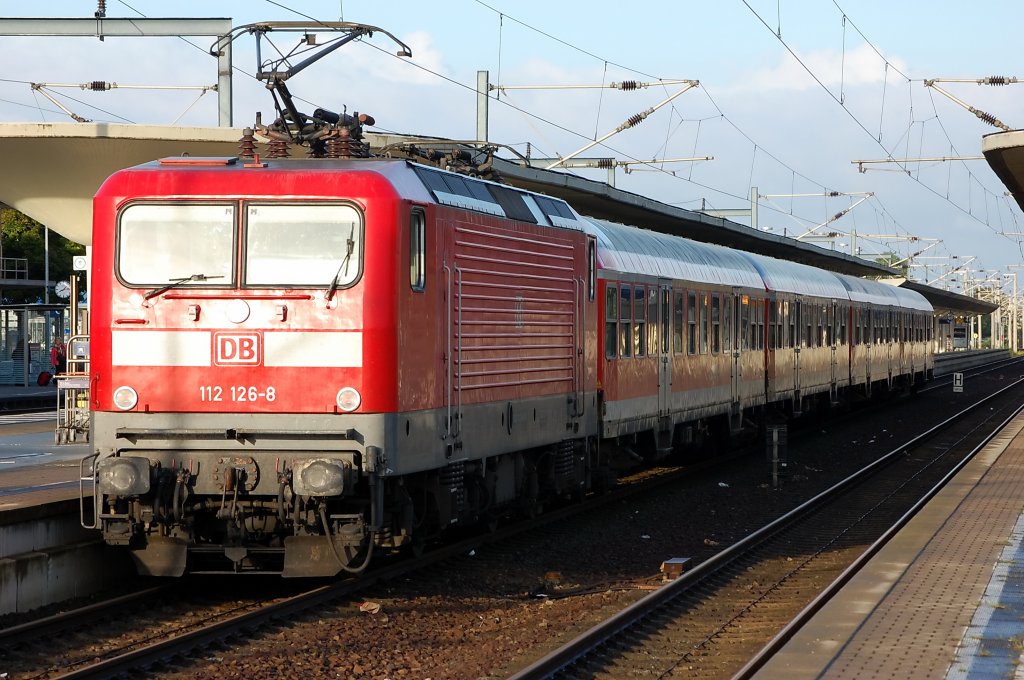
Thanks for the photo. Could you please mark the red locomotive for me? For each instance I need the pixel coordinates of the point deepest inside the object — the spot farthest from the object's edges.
(297, 362)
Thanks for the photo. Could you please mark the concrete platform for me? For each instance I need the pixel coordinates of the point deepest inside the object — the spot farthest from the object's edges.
(943, 599)
(31, 396)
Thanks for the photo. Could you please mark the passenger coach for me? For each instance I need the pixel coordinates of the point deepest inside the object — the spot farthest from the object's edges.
(696, 335)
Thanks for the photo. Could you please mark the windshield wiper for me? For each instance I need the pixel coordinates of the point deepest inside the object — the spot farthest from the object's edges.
(350, 245)
(178, 282)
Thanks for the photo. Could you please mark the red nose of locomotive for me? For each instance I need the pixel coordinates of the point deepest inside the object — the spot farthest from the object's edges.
(224, 305)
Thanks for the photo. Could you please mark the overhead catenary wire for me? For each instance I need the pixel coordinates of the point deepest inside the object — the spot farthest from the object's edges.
(531, 115)
(858, 122)
(725, 119)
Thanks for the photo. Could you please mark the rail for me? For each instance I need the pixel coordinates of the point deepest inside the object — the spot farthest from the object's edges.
(949, 362)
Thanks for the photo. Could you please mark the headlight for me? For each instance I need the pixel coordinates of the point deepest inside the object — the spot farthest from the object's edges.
(125, 398)
(320, 477)
(127, 476)
(348, 399)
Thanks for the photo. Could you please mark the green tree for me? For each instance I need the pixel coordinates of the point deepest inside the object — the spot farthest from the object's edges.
(22, 237)
(890, 260)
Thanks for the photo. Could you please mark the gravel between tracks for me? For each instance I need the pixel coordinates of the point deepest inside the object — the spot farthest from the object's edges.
(498, 610)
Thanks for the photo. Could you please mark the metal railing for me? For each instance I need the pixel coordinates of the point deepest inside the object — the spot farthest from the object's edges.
(13, 268)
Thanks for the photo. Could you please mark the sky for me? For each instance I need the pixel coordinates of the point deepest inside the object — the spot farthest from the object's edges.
(790, 93)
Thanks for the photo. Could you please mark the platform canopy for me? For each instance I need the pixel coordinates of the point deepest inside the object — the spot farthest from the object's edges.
(1004, 151)
(52, 170)
(946, 301)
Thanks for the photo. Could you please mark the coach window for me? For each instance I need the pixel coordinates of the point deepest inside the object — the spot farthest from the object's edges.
(316, 245)
(691, 323)
(652, 320)
(611, 315)
(704, 309)
(639, 323)
(417, 250)
(625, 314)
(794, 324)
(775, 334)
(666, 323)
(754, 313)
(762, 323)
(727, 324)
(810, 312)
(757, 324)
(744, 323)
(169, 243)
(841, 324)
(677, 320)
(716, 324)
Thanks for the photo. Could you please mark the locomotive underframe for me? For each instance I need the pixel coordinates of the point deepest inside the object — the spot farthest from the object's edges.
(221, 494)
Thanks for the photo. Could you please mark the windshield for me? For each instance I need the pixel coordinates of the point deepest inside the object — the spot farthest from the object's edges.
(161, 244)
(302, 245)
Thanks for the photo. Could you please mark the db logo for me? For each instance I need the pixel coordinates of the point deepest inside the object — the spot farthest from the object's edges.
(236, 349)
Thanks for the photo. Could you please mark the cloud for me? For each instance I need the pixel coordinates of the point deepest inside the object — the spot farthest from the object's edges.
(858, 66)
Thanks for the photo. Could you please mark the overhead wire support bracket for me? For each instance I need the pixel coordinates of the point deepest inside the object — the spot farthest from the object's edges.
(982, 115)
(837, 216)
(632, 121)
(103, 86)
(625, 86)
(903, 161)
(610, 164)
(41, 89)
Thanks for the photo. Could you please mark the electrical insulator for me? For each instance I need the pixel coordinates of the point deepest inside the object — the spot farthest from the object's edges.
(101, 9)
(626, 85)
(987, 117)
(634, 120)
(605, 163)
(98, 86)
(998, 80)
(247, 144)
(833, 194)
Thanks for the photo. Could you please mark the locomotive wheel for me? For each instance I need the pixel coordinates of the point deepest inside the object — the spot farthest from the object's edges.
(416, 546)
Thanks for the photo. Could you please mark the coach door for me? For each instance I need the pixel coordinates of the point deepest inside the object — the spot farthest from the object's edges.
(832, 326)
(737, 332)
(664, 348)
(800, 340)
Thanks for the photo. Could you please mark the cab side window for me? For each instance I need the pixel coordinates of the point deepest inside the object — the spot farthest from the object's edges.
(417, 250)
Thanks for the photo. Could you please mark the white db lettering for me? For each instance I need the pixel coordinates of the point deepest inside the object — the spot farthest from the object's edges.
(237, 349)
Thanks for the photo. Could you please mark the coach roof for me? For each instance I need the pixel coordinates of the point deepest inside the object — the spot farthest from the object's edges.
(639, 251)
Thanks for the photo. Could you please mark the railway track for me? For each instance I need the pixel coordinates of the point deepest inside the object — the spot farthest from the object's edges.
(709, 622)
